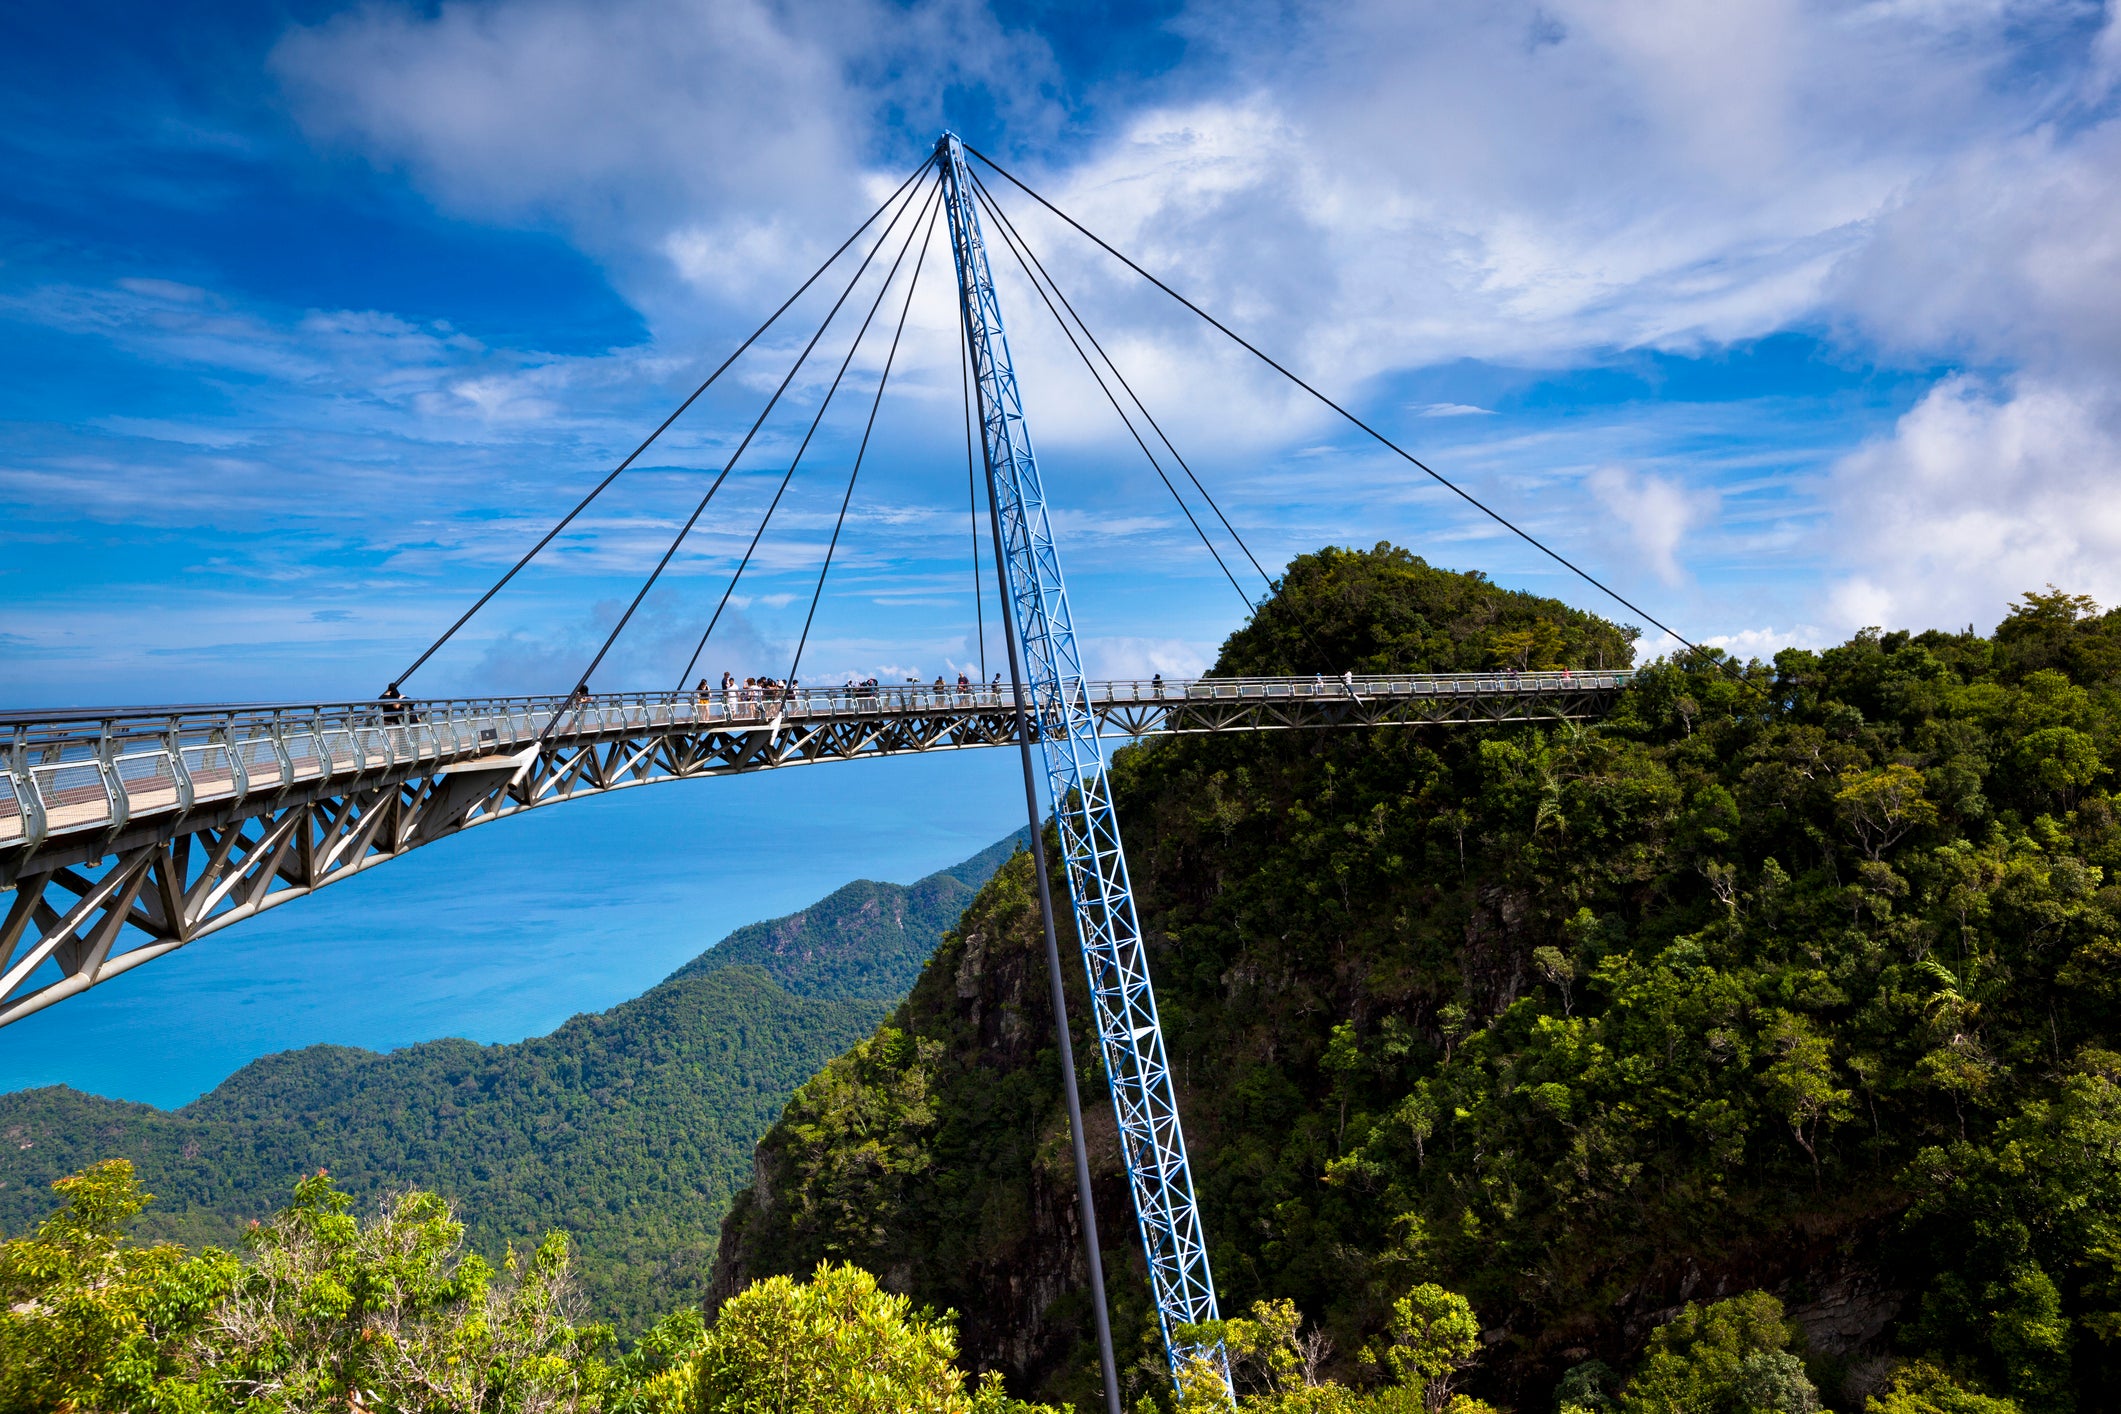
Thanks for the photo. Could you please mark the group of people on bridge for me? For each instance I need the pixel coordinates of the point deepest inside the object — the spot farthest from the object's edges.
(759, 697)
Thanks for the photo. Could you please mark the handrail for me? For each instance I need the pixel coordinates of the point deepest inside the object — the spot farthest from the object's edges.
(93, 769)
(809, 699)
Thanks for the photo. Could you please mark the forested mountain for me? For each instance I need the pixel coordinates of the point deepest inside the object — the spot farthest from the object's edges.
(630, 1129)
(1798, 977)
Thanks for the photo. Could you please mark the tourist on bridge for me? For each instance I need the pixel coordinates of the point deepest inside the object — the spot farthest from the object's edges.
(1156, 684)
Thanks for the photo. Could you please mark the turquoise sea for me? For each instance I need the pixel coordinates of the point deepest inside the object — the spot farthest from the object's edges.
(507, 930)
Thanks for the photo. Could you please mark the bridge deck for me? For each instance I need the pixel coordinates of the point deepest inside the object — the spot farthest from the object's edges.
(160, 825)
(84, 770)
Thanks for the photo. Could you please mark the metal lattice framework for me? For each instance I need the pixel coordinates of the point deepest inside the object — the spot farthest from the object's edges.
(1121, 996)
(127, 834)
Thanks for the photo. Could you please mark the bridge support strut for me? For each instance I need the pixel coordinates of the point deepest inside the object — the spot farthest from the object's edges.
(1124, 1005)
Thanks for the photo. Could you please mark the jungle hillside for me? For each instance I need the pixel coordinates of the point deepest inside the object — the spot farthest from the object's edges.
(629, 1129)
(1789, 982)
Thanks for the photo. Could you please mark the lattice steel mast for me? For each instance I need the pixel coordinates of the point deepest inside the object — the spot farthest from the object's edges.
(1113, 956)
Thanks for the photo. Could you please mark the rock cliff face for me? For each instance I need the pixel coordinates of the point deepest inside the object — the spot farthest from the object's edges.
(936, 1152)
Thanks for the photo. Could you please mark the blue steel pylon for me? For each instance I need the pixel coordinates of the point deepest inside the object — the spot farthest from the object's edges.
(1128, 1032)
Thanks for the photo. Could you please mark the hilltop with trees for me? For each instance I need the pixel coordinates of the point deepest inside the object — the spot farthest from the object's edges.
(1797, 978)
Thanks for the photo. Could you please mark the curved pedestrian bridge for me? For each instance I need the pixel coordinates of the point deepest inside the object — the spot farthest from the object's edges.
(155, 826)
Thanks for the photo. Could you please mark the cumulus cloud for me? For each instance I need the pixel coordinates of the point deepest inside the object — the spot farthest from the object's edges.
(1367, 188)
(731, 139)
(1981, 492)
(1399, 184)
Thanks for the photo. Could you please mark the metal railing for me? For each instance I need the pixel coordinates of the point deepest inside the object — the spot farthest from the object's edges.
(98, 768)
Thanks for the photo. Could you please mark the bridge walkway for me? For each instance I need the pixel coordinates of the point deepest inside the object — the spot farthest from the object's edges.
(126, 833)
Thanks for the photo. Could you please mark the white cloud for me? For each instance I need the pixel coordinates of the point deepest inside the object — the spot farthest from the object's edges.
(1128, 658)
(1658, 511)
(594, 113)
(1745, 644)
(2012, 254)
(1981, 492)
(725, 141)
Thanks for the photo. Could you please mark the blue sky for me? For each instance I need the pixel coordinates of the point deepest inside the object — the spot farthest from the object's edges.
(1782, 317)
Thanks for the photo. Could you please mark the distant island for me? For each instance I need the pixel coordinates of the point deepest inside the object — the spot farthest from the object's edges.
(631, 1129)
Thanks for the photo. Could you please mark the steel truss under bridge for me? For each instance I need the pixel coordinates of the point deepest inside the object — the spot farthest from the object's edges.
(127, 834)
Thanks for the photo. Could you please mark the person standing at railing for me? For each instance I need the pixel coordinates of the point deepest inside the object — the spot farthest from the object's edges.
(1156, 685)
(391, 694)
(1347, 680)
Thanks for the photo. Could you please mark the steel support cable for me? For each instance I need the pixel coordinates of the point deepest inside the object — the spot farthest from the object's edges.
(1009, 240)
(979, 599)
(874, 305)
(1556, 556)
(1002, 217)
(663, 427)
(1021, 248)
(883, 381)
(730, 465)
(1035, 843)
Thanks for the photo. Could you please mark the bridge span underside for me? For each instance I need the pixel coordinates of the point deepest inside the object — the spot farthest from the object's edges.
(126, 834)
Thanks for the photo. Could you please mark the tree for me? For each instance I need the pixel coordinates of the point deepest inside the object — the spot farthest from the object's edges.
(1881, 806)
(87, 1322)
(836, 1344)
(2059, 762)
(1710, 1360)
(1434, 1336)
(1554, 966)
(1923, 1388)
(395, 1311)
(1586, 1389)
(1774, 1382)
(1801, 1081)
